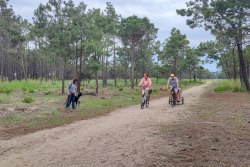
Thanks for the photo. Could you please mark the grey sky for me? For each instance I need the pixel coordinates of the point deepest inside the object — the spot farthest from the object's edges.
(160, 12)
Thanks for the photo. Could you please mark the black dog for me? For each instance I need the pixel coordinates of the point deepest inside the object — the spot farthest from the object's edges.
(77, 99)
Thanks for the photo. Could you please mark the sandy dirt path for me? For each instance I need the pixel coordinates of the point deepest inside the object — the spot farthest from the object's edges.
(126, 137)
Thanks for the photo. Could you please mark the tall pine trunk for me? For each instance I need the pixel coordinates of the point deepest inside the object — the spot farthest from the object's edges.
(63, 77)
(242, 66)
(96, 82)
(133, 67)
(234, 65)
(115, 63)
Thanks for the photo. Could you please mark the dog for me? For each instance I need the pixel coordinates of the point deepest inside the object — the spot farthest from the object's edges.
(77, 99)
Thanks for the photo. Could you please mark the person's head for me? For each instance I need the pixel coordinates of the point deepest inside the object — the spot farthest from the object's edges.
(75, 80)
(145, 75)
(172, 76)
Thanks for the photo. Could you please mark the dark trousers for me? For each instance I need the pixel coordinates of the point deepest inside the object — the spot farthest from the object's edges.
(71, 99)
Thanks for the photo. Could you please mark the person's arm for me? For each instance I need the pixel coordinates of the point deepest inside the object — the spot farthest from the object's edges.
(141, 82)
(69, 89)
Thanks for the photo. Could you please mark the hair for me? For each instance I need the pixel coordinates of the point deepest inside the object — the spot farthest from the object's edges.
(146, 74)
(75, 80)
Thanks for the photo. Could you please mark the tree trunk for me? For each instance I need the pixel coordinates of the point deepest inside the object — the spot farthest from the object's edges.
(243, 67)
(234, 65)
(63, 78)
(2, 64)
(227, 69)
(125, 71)
(194, 76)
(190, 75)
(223, 68)
(103, 78)
(239, 39)
(23, 67)
(77, 70)
(132, 67)
(114, 63)
(80, 76)
(248, 71)
(80, 72)
(96, 82)
(106, 72)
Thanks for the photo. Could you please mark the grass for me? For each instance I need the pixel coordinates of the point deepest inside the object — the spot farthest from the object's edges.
(32, 105)
(28, 85)
(28, 100)
(228, 85)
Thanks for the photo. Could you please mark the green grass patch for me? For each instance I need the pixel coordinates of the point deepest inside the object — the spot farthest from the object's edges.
(31, 91)
(5, 99)
(228, 85)
(28, 100)
(28, 85)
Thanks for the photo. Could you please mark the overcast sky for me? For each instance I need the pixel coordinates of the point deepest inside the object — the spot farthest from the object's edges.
(160, 12)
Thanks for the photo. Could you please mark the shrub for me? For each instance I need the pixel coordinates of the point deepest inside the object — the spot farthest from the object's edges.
(31, 91)
(28, 100)
(120, 89)
(220, 89)
(48, 93)
(5, 91)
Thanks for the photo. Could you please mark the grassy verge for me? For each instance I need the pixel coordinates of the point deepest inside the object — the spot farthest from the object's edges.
(228, 85)
(23, 111)
(28, 86)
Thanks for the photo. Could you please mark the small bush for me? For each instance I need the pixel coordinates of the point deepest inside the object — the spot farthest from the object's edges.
(5, 91)
(220, 89)
(28, 100)
(120, 89)
(31, 91)
(48, 93)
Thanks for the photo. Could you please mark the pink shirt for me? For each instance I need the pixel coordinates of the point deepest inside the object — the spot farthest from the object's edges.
(145, 83)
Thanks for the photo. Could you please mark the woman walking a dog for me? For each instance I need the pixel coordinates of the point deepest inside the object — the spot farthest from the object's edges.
(71, 94)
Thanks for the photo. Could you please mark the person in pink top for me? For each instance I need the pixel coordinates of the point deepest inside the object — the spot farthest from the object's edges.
(146, 84)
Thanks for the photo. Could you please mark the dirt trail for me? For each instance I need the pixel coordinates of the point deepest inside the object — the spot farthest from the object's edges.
(126, 137)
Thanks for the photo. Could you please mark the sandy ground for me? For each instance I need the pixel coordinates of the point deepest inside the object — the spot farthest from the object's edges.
(126, 137)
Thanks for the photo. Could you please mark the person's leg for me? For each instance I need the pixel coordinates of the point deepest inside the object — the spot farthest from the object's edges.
(170, 91)
(146, 92)
(177, 94)
(73, 101)
(142, 92)
(68, 101)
